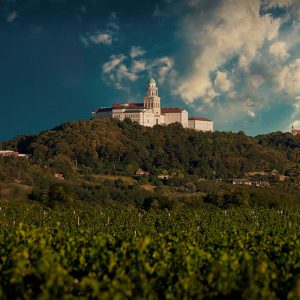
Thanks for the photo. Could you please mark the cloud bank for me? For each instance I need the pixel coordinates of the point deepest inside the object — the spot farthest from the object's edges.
(242, 56)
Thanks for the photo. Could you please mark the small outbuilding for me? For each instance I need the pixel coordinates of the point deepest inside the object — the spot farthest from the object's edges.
(141, 172)
(59, 176)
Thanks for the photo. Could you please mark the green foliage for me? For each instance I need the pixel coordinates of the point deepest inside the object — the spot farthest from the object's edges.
(111, 145)
(245, 197)
(90, 253)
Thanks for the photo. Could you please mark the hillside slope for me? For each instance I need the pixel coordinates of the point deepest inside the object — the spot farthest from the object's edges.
(103, 145)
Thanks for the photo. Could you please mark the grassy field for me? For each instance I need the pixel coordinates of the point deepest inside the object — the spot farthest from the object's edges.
(14, 192)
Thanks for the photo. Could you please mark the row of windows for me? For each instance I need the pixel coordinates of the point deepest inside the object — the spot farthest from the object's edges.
(152, 93)
(127, 116)
(132, 116)
(152, 105)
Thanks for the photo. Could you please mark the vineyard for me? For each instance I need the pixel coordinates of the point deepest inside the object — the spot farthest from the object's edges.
(122, 253)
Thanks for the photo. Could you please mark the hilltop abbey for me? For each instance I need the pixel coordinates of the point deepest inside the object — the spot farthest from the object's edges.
(150, 113)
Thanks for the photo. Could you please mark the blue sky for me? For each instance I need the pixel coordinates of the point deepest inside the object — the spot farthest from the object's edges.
(237, 62)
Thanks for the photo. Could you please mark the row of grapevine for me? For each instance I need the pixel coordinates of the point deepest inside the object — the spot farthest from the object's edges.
(119, 253)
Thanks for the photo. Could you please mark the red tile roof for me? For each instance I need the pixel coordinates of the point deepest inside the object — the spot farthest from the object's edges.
(59, 176)
(171, 110)
(200, 119)
(296, 131)
(141, 172)
(115, 105)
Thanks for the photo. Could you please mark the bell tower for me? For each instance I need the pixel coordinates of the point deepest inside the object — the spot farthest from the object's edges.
(152, 100)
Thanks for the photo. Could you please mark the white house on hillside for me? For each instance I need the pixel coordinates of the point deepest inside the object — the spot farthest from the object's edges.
(150, 113)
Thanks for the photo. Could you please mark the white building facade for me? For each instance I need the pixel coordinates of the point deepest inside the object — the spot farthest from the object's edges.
(150, 113)
(201, 124)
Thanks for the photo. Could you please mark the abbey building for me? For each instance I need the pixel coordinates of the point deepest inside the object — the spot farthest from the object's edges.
(150, 112)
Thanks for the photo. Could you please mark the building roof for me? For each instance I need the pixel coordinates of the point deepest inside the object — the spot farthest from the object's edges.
(120, 105)
(152, 81)
(103, 109)
(171, 110)
(200, 119)
(240, 180)
(140, 171)
(297, 131)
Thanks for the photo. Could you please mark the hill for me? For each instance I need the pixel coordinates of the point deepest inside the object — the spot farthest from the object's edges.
(99, 158)
(104, 145)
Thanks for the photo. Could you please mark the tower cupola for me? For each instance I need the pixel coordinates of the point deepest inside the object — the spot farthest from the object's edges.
(152, 89)
(152, 100)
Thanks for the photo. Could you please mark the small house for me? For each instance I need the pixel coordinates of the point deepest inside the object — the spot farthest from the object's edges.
(295, 131)
(9, 153)
(274, 172)
(24, 155)
(241, 182)
(163, 177)
(59, 176)
(141, 172)
(256, 183)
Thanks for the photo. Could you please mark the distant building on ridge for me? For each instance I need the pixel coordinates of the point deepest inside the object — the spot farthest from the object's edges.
(150, 113)
(295, 131)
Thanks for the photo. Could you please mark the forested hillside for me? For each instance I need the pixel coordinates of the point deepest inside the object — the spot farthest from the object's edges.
(99, 159)
(104, 145)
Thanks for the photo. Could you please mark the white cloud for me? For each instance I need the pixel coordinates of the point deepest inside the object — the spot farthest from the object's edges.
(251, 114)
(138, 66)
(122, 68)
(12, 16)
(124, 73)
(101, 38)
(296, 107)
(136, 52)
(114, 61)
(236, 110)
(240, 58)
(255, 81)
(295, 117)
(287, 78)
(222, 81)
(279, 50)
(296, 124)
(231, 29)
(162, 67)
(115, 71)
(278, 3)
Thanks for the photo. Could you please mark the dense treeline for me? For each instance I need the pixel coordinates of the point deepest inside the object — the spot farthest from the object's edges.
(111, 146)
(198, 164)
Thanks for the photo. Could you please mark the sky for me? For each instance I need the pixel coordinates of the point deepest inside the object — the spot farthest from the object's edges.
(236, 62)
